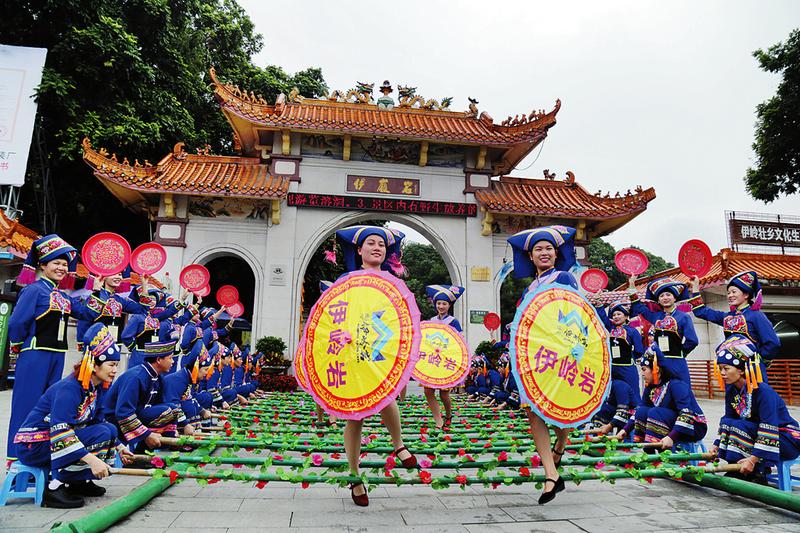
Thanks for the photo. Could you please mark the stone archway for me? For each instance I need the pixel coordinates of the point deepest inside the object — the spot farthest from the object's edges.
(231, 260)
(455, 267)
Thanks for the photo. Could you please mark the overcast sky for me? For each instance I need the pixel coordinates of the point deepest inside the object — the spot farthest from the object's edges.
(659, 94)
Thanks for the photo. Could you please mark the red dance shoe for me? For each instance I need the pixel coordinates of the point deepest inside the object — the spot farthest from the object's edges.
(408, 462)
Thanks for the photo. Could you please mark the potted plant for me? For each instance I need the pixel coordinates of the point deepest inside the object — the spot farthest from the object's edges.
(273, 349)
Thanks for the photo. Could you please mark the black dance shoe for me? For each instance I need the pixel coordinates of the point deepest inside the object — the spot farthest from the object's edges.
(60, 498)
(85, 488)
(548, 496)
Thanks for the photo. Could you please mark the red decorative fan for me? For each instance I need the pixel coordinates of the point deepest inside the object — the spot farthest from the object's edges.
(594, 280)
(106, 254)
(148, 258)
(695, 258)
(631, 261)
(236, 310)
(203, 291)
(491, 321)
(194, 277)
(227, 295)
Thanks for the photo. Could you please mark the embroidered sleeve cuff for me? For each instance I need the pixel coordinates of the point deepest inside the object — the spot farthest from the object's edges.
(634, 297)
(696, 301)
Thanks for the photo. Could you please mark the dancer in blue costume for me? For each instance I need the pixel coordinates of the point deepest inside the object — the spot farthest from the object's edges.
(669, 412)
(143, 329)
(135, 403)
(626, 350)
(443, 297)
(546, 254)
(112, 290)
(674, 334)
(507, 393)
(372, 248)
(756, 430)
(66, 432)
(180, 388)
(37, 329)
(744, 317)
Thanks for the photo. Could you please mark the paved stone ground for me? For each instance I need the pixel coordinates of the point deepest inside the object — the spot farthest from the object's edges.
(234, 507)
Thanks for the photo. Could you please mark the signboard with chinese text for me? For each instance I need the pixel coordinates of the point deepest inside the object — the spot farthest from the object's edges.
(372, 184)
(476, 316)
(388, 205)
(763, 230)
(20, 74)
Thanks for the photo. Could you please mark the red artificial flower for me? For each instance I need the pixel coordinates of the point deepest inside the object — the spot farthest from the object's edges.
(256, 420)
(468, 426)
(237, 465)
(157, 462)
(656, 464)
(524, 472)
(261, 484)
(305, 484)
(469, 459)
(536, 461)
(488, 444)
(628, 466)
(473, 441)
(390, 463)
(228, 432)
(249, 449)
(462, 479)
(600, 465)
(502, 456)
(649, 480)
(448, 438)
(462, 451)
(335, 455)
(173, 475)
(227, 425)
(495, 485)
(277, 457)
(425, 476)
(213, 480)
(423, 438)
(251, 434)
(431, 456)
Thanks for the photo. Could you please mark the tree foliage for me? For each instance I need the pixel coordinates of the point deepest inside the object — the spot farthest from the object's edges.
(601, 255)
(777, 144)
(133, 77)
(425, 267)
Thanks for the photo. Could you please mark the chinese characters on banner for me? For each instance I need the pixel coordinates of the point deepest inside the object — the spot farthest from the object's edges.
(389, 205)
(764, 233)
(372, 184)
(20, 74)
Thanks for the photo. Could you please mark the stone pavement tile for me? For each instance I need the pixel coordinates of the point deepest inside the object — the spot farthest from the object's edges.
(408, 529)
(395, 503)
(736, 517)
(420, 490)
(463, 502)
(479, 515)
(327, 504)
(225, 489)
(664, 504)
(128, 529)
(185, 489)
(556, 511)
(14, 516)
(352, 516)
(265, 518)
(632, 524)
(320, 491)
(285, 530)
(168, 503)
(551, 526)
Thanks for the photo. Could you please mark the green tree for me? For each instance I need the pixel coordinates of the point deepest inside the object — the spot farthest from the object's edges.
(601, 255)
(777, 144)
(425, 267)
(133, 77)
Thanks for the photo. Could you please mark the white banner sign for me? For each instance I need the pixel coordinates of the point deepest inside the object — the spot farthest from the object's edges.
(20, 74)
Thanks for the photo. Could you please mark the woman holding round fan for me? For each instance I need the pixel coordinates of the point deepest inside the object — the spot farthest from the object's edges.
(546, 254)
(361, 341)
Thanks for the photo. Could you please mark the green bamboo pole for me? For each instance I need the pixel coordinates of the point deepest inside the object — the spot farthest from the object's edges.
(753, 491)
(229, 475)
(367, 463)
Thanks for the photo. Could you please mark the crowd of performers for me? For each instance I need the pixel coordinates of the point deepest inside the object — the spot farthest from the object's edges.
(181, 367)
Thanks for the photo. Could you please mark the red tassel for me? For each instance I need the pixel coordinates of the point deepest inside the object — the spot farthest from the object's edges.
(27, 275)
(89, 286)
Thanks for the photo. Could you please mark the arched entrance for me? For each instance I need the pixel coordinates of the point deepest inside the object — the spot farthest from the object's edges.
(234, 268)
(422, 226)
